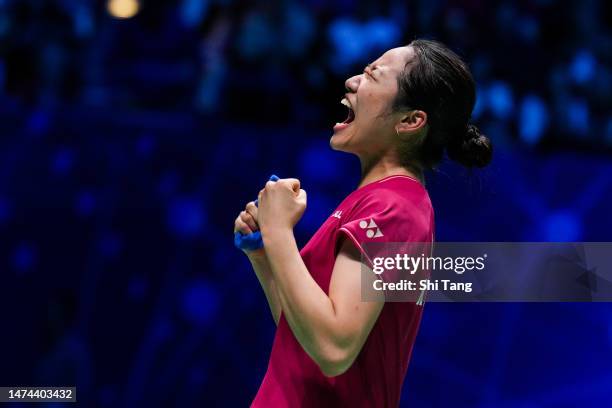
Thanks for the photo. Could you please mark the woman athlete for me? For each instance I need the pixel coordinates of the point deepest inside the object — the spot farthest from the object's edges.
(330, 348)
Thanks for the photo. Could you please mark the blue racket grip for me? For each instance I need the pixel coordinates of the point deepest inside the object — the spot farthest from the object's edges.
(272, 178)
(252, 241)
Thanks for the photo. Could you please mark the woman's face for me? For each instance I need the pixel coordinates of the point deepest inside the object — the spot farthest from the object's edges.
(370, 127)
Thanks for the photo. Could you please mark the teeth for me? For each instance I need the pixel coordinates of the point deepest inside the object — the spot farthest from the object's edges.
(346, 103)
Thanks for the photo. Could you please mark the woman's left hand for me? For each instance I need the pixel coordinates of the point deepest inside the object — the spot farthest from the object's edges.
(281, 204)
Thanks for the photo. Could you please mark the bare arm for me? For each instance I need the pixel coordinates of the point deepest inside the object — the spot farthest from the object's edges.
(331, 329)
(261, 266)
(246, 223)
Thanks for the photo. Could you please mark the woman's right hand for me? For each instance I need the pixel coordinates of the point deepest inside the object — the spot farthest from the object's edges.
(246, 223)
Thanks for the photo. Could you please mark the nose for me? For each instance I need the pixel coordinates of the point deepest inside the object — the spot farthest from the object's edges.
(352, 83)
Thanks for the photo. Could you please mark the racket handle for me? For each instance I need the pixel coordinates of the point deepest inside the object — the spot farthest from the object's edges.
(252, 241)
(272, 178)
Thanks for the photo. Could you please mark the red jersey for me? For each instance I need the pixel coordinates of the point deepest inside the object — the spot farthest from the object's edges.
(393, 209)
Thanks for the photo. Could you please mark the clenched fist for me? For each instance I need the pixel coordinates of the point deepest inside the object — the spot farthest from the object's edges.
(246, 223)
(281, 204)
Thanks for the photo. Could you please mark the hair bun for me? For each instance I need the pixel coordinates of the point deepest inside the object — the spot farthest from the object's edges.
(473, 150)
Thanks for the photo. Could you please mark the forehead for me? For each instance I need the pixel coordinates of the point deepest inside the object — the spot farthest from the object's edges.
(396, 58)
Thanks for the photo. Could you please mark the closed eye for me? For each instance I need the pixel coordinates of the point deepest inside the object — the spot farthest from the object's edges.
(367, 71)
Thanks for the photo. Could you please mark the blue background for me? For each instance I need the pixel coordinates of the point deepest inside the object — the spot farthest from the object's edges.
(129, 146)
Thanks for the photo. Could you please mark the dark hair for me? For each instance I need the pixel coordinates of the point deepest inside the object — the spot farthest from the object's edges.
(438, 82)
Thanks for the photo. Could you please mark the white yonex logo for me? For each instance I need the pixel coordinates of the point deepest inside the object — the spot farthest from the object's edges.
(372, 229)
(337, 214)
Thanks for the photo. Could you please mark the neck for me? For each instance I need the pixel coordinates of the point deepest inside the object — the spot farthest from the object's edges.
(378, 168)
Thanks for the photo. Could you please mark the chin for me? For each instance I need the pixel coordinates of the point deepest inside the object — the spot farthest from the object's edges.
(346, 140)
(337, 142)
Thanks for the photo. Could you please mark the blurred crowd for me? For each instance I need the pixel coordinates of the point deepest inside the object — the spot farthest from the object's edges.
(129, 145)
(543, 67)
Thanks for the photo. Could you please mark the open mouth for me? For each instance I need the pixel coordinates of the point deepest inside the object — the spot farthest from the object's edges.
(350, 117)
(351, 113)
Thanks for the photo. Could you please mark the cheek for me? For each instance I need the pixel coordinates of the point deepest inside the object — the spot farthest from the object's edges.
(368, 105)
(373, 114)
(375, 104)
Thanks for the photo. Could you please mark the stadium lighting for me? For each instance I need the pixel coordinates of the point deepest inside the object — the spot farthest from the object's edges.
(123, 8)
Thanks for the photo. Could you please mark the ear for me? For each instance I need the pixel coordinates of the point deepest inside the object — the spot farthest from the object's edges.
(412, 122)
